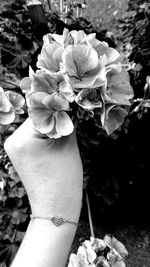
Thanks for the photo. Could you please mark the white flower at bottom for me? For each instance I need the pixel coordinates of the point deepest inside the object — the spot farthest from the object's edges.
(85, 258)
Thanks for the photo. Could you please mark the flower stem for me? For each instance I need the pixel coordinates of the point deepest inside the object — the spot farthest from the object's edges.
(89, 215)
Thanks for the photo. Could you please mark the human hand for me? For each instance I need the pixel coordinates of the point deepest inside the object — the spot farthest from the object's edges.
(51, 171)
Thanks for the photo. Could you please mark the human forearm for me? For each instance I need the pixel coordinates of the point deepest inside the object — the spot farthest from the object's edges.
(52, 174)
(45, 245)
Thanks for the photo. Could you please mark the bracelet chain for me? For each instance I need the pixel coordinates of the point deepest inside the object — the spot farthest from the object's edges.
(57, 221)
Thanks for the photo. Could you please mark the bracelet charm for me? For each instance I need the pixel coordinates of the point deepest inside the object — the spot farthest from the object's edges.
(57, 221)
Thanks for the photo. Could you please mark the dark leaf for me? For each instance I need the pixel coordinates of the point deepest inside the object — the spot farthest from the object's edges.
(7, 251)
(8, 79)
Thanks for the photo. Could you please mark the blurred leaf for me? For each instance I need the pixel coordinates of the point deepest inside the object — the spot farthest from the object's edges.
(2, 183)
(13, 174)
(3, 4)
(19, 236)
(17, 192)
(17, 215)
(7, 251)
(3, 265)
(3, 174)
(21, 57)
(8, 80)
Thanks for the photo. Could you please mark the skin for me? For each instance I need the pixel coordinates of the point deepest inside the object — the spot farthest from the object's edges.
(52, 174)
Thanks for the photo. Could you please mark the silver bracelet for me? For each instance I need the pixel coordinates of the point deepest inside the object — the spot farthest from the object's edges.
(57, 221)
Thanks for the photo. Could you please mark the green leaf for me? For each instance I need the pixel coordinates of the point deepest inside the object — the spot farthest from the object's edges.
(18, 192)
(114, 118)
(19, 236)
(19, 216)
(4, 4)
(8, 80)
(8, 251)
(13, 174)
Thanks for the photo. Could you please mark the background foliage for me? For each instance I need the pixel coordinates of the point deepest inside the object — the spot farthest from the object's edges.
(113, 166)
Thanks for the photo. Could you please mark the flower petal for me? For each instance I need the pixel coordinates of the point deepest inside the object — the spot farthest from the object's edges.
(92, 79)
(74, 261)
(91, 255)
(50, 57)
(114, 117)
(48, 39)
(53, 133)
(44, 82)
(1, 90)
(101, 261)
(114, 68)
(4, 103)
(111, 54)
(79, 37)
(25, 85)
(119, 89)
(83, 256)
(97, 244)
(119, 263)
(7, 117)
(55, 102)
(89, 98)
(42, 119)
(64, 125)
(57, 55)
(35, 100)
(47, 116)
(79, 59)
(119, 247)
(102, 48)
(65, 88)
(16, 100)
(58, 38)
(93, 41)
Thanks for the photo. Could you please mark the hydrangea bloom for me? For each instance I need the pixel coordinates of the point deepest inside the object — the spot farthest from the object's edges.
(11, 104)
(84, 257)
(48, 115)
(83, 72)
(50, 57)
(82, 64)
(91, 253)
(43, 81)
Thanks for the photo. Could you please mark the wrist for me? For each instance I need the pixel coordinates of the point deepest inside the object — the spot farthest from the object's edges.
(45, 245)
(65, 206)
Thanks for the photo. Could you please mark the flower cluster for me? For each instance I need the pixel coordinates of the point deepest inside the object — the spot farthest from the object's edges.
(11, 104)
(107, 252)
(76, 70)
